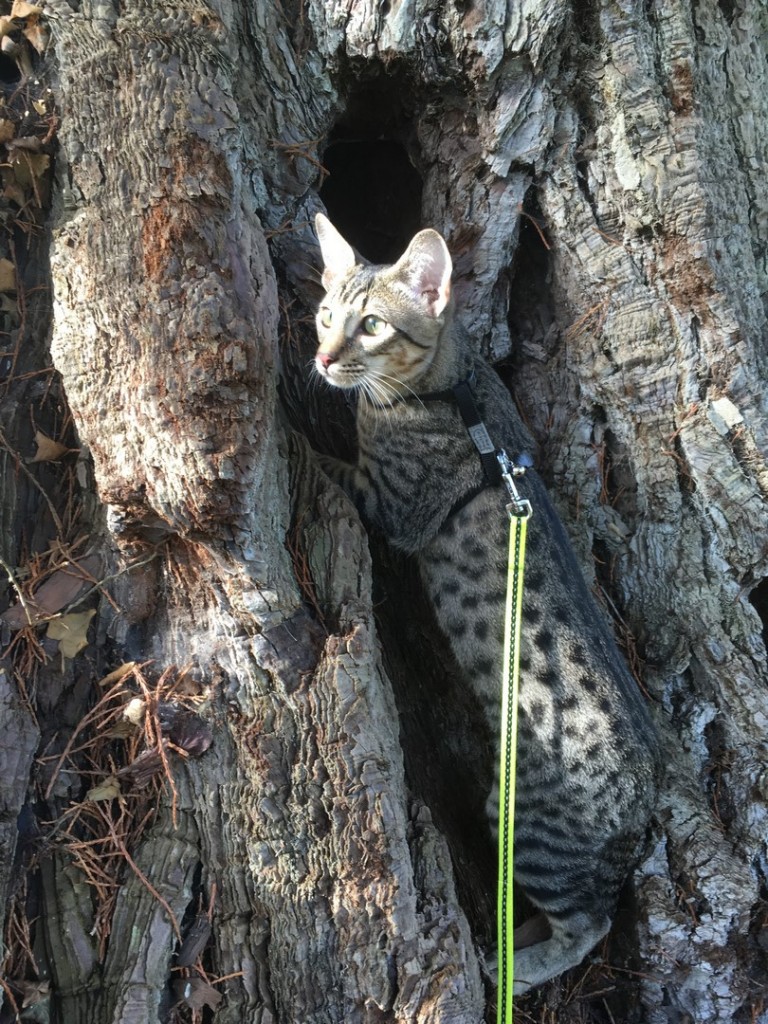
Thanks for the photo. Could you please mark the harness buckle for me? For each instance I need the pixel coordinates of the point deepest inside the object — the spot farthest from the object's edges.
(518, 507)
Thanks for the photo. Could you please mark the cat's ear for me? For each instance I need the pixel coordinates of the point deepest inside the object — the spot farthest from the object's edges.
(338, 255)
(425, 269)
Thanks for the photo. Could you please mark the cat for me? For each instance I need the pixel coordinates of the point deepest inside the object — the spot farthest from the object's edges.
(587, 756)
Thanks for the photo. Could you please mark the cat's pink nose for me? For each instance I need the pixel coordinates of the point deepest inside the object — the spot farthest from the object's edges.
(325, 359)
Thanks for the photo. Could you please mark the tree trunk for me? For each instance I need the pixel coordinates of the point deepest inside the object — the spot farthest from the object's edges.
(261, 780)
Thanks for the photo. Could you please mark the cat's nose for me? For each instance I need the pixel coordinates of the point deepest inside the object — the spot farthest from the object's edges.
(325, 359)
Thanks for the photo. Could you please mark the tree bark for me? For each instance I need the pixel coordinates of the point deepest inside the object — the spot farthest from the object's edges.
(314, 803)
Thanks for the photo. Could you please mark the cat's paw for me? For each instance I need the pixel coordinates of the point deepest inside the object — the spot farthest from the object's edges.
(332, 467)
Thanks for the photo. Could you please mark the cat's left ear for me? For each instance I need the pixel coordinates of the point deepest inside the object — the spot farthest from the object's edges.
(338, 254)
(425, 268)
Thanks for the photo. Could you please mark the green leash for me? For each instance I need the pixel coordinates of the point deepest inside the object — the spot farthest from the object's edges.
(519, 511)
(497, 468)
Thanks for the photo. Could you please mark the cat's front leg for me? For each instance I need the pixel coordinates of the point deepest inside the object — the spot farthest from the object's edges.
(353, 481)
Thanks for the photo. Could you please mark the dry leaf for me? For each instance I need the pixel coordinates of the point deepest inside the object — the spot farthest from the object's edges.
(40, 107)
(48, 450)
(21, 9)
(38, 35)
(185, 729)
(196, 993)
(59, 590)
(144, 768)
(134, 710)
(7, 276)
(24, 62)
(121, 730)
(132, 717)
(32, 992)
(13, 191)
(7, 129)
(109, 789)
(31, 143)
(27, 165)
(117, 673)
(71, 631)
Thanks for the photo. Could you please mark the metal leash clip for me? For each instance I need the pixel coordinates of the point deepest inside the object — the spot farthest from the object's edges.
(510, 468)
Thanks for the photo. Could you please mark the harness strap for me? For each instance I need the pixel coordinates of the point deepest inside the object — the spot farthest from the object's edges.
(463, 395)
(447, 395)
(465, 400)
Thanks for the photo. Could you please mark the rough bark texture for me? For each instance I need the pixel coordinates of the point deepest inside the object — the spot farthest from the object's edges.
(598, 171)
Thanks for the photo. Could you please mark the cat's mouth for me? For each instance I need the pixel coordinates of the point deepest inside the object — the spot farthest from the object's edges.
(338, 375)
(375, 388)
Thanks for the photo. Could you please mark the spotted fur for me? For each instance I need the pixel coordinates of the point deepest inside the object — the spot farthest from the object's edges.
(587, 751)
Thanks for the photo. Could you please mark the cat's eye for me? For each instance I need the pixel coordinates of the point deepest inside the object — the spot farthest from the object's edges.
(326, 316)
(374, 324)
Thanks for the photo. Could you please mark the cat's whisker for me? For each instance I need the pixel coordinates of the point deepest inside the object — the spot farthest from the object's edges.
(316, 379)
(383, 379)
(383, 405)
(385, 390)
(368, 393)
(402, 385)
(377, 399)
(365, 395)
(312, 272)
(313, 374)
(376, 387)
(389, 400)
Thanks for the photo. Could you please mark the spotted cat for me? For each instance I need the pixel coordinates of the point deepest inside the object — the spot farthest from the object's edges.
(587, 758)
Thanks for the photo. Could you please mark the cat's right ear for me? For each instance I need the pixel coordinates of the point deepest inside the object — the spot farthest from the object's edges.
(425, 271)
(338, 255)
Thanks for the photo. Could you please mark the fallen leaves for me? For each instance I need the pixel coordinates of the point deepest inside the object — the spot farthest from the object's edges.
(129, 777)
(62, 587)
(133, 711)
(28, 124)
(27, 164)
(7, 274)
(196, 993)
(28, 18)
(71, 631)
(108, 789)
(130, 772)
(118, 673)
(32, 992)
(21, 9)
(48, 450)
(7, 26)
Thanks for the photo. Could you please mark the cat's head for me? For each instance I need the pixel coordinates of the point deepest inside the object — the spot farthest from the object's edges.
(379, 327)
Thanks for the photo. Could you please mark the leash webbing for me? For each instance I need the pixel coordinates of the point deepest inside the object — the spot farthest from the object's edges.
(519, 513)
(498, 468)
